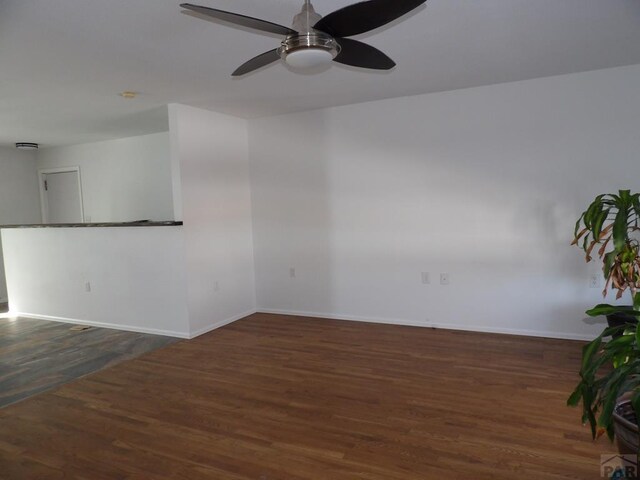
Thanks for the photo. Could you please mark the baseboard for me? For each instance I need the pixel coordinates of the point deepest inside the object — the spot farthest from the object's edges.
(444, 326)
(332, 316)
(221, 323)
(128, 328)
(132, 328)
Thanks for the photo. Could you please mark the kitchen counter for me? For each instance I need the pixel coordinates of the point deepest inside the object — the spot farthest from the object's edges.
(140, 223)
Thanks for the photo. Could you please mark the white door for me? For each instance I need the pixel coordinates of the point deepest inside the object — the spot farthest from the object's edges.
(62, 198)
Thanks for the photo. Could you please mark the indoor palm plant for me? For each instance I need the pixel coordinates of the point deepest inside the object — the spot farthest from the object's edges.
(609, 386)
(609, 224)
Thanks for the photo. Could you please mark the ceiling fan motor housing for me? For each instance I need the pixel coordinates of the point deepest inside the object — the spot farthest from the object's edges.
(316, 40)
(306, 37)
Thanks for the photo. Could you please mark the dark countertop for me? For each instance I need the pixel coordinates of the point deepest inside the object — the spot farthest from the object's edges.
(141, 223)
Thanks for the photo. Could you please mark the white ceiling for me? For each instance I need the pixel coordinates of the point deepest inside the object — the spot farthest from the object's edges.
(63, 62)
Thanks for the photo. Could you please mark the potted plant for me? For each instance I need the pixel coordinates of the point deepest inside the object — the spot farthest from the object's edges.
(609, 386)
(609, 224)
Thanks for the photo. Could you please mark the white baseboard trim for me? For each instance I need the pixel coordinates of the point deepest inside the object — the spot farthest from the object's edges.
(128, 328)
(221, 323)
(332, 316)
(444, 326)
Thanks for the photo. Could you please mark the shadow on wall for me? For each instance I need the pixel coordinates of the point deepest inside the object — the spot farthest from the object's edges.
(480, 184)
(292, 217)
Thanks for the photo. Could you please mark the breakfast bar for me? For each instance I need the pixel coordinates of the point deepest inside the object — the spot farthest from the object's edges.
(126, 275)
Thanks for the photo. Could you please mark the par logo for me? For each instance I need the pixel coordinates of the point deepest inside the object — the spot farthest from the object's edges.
(618, 466)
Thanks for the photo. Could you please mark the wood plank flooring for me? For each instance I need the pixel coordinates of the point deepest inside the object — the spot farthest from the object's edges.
(290, 398)
(37, 355)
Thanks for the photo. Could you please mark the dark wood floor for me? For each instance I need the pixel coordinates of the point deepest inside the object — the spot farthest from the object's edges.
(37, 355)
(289, 398)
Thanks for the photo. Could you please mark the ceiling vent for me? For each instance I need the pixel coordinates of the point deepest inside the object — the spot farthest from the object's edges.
(26, 146)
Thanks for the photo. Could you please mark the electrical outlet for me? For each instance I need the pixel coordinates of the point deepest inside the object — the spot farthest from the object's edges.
(87, 287)
(292, 272)
(444, 279)
(425, 278)
(594, 281)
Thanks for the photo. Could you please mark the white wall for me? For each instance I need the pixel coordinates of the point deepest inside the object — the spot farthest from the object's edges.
(122, 180)
(137, 276)
(212, 150)
(19, 197)
(484, 184)
(179, 281)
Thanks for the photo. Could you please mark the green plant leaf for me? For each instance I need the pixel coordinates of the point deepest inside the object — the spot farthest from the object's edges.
(609, 260)
(609, 395)
(589, 350)
(589, 374)
(606, 309)
(622, 341)
(592, 214)
(620, 230)
(598, 222)
(575, 397)
(625, 196)
(611, 433)
(595, 206)
(588, 398)
(635, 202)
(577, 229)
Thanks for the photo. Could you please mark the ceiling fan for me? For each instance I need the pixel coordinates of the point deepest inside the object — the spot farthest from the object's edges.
(314, 40)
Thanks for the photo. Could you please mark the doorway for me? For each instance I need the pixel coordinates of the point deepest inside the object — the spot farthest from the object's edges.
(61, 195)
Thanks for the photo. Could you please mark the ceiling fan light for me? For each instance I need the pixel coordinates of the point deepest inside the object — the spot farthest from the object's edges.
(306, 58)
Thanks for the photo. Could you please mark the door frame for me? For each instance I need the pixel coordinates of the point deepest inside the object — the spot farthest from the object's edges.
(44, 205)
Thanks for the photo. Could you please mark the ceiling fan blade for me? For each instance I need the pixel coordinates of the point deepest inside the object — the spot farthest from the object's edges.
(365, 16)
(256, 62)
(358, 54)
(241, 20)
